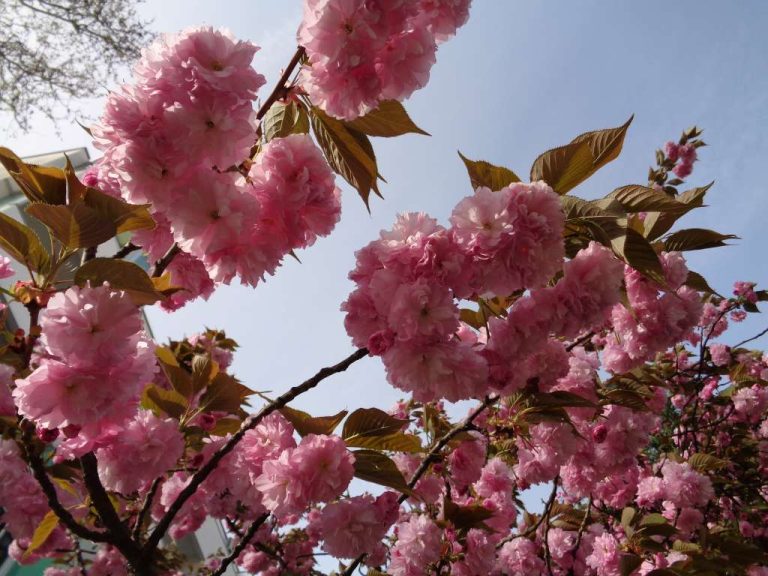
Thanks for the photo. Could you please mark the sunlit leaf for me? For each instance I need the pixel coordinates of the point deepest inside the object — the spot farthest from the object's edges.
(307, 424)
(121, 275)
(387, 120)
(695, 239)
(482, 173)
(22, 244)
(378, 468)
(44, 529)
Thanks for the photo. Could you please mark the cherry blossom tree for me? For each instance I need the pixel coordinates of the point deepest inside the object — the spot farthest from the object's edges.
(597, 362)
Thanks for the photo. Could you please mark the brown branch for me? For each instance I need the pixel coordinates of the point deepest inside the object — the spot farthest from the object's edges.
(108, 515)
(462, 426)
(165, 261)
(241, 545)
(125, 250)
(145, 507)
(249, 423)
(40, 474)
(279, 89)
(544, 515)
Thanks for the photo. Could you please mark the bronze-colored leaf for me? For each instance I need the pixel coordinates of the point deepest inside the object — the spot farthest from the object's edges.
(22, 244)
(706, 462)
(38, 183)
(75, 226)
(371, 422)
(348, 152)
(565, 167)
(698, 282)
(378, 468)
(658, 223)
(482, 173)
(164, 402)
(398, 442)
(225, 394)
(635, 198)
(466, 517)
(307, 424)
(639, 254)
(695, 239)
(388, 119)
(121, 275)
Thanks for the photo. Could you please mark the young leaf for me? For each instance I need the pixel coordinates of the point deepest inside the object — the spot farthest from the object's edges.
(121, 275)
(387, 120)
(466, 517)
(375, 467)
(706, 462)
(44, 529)
(639, 254)
(658, 223)
(283, 119)
(565, 167)
(75, 226)
(695, 239)
(306, 424)
(22, 244)
(482, 173)
(348, 152)
(225, 394)
(164, 402)
(38, 183)
(635, 198)
(371, 422)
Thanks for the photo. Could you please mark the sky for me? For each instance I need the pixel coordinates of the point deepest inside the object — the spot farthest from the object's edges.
(518, 79)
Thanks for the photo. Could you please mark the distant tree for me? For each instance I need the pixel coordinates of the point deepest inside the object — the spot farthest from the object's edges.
(54, 51)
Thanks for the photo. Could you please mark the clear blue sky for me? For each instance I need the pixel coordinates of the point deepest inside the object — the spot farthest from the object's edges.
(519, 78)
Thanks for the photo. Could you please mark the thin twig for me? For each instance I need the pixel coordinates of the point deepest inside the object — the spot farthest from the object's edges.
(249, 423)
(462, 426)
(40, 474)
(760, 335)
(125, 250)
(145, 507)
(544, 514)
(279, 89)
(165, 261)
(241, 545)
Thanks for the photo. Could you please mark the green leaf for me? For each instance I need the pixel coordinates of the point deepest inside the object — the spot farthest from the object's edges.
(22, 244)
(635, 198)
(387, 120)
(307, 424)
(375, 467)
(627, 518)
(695, 239)
(482, 173)
(565, 167)
(348, 152)
(121, 275)
(283, 119)
(639, 254)
(164, 402)
(44, 529)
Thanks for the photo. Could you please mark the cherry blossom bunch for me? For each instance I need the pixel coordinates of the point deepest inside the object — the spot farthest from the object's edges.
(172, 139)
(363, 52)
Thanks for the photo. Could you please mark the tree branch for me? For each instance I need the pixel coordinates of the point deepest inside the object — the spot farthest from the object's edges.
(145, 507)
(241, 545)
(462, 426)
(165, 261)
(249, 423)
(125, 250)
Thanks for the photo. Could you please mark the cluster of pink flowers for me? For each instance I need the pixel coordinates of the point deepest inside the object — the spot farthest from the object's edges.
(405, 306)
(23, 506)
(657, 320)
(170, 139)
(93, 360)
(362, 52)
(684, 155)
